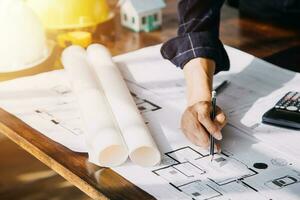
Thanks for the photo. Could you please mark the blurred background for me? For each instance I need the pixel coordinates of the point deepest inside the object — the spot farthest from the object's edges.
(34, 33)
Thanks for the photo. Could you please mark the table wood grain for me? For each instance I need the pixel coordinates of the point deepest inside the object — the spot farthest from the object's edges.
(258, 38)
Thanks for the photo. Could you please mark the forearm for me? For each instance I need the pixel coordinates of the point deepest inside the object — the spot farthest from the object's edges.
(196, 122)
(198, 74)
(198, 35)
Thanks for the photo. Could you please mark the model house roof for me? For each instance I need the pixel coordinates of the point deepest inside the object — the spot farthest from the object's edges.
(146, 5)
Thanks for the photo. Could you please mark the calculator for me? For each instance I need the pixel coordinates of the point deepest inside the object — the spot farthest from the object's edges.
(286, 112)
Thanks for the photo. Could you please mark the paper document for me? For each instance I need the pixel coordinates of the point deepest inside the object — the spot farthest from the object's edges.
(186, 171)
(113, 124)
(47, 104)
(142, 149)
(255, 86)
(249, 167)
(104, 140)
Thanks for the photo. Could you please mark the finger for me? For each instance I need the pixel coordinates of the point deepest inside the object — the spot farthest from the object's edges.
(203, 114)
(192, 138)
(202, 135)
(220, 119)
(193, 130)
(196, 141)
(197, 135)
(209, 125)
(218, 147)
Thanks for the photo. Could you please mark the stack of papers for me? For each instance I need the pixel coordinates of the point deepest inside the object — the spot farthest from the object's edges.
(265, 159)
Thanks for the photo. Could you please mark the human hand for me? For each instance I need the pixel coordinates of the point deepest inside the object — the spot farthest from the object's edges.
(197, 125)
(196, 122)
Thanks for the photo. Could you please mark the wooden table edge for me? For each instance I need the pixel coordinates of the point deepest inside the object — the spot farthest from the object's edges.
(47, 160)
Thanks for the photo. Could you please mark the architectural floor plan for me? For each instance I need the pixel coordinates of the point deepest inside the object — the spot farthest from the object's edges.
(246, 169)
(200, 178)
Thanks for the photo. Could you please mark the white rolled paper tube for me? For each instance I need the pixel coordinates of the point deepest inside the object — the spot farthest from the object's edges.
(142, 148)
(106, 146)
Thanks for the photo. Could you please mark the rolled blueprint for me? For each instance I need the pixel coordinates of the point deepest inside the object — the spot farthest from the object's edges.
(106, 146)
(142, 148)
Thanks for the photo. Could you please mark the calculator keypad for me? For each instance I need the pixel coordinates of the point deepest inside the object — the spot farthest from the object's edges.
(290, 102)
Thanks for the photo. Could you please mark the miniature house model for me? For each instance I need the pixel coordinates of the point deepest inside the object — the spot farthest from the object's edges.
(142, 15)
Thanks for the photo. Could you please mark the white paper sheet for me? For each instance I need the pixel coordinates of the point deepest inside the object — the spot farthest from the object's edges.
(47, 104)
(255, 86)
(186, 171)
(182, 173)
(103, 137)
(142, 148)
(283, 183)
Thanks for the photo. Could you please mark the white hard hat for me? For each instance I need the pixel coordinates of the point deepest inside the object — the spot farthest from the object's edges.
(23, 42)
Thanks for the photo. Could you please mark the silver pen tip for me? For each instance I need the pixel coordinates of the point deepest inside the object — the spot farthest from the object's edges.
(214, 94)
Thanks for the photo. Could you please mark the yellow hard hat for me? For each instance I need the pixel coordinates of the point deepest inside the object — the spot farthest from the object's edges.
(81, 38)
(70, 14)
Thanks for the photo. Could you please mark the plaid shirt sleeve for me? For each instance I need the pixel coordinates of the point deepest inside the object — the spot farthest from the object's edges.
(198, 34)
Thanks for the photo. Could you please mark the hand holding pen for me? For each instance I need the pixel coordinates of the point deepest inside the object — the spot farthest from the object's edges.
(198, 126)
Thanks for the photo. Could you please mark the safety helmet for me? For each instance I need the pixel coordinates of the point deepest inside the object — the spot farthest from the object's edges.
(22, 38)
(70, 14)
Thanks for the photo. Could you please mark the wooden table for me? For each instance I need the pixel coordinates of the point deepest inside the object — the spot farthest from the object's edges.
(257, 38)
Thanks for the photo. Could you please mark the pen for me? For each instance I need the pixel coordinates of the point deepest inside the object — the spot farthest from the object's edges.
(221, 86)
(213, 115)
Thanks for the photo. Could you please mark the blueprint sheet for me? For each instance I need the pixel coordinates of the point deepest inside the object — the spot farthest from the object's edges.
(249, 167)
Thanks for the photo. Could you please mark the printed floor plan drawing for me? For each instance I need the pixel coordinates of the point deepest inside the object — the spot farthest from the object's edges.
(62, 111)
(46, 115)
(72, 125)
(185, 172)
(195, 175)
(282, 182)
(247, 169)
(144, 105)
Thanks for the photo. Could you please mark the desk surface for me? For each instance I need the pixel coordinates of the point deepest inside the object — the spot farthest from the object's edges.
(257, 38)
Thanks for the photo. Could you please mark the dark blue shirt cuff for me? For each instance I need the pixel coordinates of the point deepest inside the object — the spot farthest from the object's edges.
(198, 34)
(182, 49)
